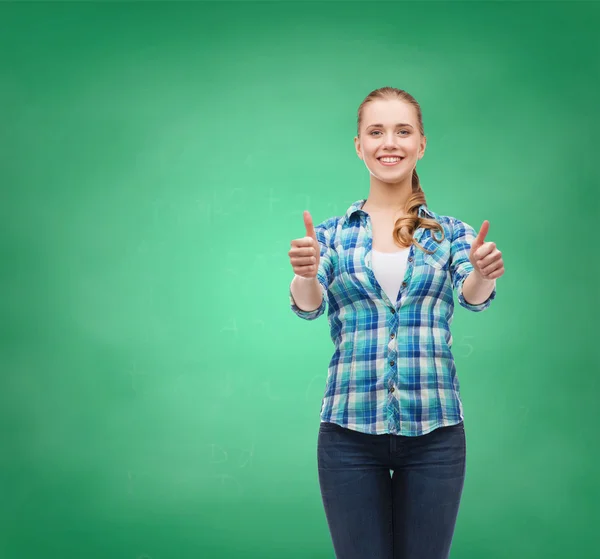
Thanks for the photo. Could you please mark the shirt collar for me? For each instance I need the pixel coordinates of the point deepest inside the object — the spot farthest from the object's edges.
(356, 207)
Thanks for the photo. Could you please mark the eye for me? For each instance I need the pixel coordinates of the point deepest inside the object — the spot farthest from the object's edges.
(375, 131)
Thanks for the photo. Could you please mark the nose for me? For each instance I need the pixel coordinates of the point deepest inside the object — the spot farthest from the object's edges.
(389, 141)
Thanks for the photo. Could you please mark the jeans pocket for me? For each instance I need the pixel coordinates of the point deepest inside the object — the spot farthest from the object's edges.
(329, 426)
(460, 427)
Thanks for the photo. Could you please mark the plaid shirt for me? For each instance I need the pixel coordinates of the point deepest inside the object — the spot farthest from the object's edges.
(392, 370)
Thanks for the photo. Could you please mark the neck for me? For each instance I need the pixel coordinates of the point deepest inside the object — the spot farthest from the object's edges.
(387, 198)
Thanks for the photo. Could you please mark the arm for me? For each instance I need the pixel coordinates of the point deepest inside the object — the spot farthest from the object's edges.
(477, 290)
(480, 292)
(312, 293)
(307, 293)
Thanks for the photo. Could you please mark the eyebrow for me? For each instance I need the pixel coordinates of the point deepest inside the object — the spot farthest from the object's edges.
(399, 124)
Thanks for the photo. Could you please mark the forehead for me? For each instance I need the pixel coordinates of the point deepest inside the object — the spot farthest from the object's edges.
(388, 112)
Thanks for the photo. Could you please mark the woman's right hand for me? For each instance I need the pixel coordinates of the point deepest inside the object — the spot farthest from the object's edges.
(305, 253)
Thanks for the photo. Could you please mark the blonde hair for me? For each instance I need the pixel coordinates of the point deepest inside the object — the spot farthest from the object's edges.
(405, 226)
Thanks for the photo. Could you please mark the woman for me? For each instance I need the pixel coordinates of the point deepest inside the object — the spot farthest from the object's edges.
(387, 269)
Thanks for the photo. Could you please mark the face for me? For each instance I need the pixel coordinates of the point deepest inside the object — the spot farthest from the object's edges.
(389, 128)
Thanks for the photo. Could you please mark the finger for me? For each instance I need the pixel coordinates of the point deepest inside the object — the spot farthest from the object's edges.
(492, 257)
(496, 274)
(308, 223)
(303, 242)
(488, 270)
(302, 252)
(305, 269)
(484, 250)
(480, 239)
(303, 260)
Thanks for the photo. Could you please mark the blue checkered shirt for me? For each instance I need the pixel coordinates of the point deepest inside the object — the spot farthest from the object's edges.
(392, 370)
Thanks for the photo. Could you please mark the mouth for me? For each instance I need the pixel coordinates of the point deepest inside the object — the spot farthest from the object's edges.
(388, 161)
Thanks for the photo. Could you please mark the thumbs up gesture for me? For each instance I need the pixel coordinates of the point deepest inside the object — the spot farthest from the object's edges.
(305, 253)
(485, 257)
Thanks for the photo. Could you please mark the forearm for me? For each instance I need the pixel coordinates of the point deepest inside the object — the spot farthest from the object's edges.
(477, 290)
(307, 293)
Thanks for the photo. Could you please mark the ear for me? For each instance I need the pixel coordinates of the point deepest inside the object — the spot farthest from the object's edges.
(423, 146)
(357, 147)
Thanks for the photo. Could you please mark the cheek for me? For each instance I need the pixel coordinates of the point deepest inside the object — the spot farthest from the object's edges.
(369, 151)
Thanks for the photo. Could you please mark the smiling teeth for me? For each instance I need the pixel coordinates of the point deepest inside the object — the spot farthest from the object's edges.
(390, 159)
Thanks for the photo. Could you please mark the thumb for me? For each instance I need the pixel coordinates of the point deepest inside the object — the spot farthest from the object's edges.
(308, 223)
(480, 239)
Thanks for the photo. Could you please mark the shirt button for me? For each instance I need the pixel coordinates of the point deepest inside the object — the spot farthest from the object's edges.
(410, 259)
(392, 363)
(403, 284)
(392, 336)
(393, 311)
(392, 389)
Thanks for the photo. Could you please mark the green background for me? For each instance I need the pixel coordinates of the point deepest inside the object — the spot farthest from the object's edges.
(158, 398)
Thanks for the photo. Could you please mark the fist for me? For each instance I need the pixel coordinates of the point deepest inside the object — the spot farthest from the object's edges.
(485, 257)
(305, 253)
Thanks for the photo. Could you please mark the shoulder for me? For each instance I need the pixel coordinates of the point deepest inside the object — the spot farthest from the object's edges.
(325, 232)
(453, 226)
(326, 229)
(329, 224)
(446, 221)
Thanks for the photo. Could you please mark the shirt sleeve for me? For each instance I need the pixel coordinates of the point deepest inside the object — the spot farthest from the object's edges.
(324, 274)
(463, 236)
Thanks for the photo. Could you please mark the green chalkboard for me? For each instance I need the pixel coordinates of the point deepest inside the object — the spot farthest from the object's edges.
(158, 398)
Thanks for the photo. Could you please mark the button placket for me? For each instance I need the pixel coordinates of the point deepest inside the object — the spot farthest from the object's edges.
(409, 271)
(392, 356)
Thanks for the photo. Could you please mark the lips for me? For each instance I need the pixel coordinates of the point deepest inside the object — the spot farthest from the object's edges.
(397, 162)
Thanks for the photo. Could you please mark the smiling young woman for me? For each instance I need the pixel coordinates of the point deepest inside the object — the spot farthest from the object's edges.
(387, 270)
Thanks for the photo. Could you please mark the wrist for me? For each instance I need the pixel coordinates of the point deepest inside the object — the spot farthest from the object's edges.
(302, 278)
(481, 280)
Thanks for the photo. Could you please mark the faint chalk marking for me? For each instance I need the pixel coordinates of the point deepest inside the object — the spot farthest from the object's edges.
(248, 460)
(233, 197)
(134, 373)
(270, 201)
(205, 208)
(300, 213)
(233, 328)
(229, 478)
(269, 392)
(223, 452)
(232, 257)
(525, 414)
(228, 389)
(312, 380)
(468, 345)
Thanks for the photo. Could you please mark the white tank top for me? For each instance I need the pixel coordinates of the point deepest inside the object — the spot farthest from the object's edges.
(389, 269)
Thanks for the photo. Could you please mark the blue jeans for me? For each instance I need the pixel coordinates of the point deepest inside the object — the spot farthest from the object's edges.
(408, 515)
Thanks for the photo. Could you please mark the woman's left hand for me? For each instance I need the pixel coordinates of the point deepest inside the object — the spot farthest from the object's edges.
(485, 257)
